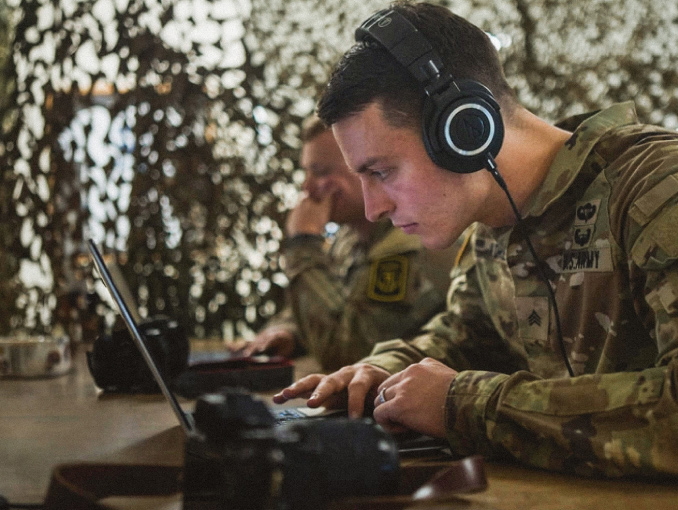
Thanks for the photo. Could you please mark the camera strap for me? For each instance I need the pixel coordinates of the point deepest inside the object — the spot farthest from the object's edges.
(82, 486)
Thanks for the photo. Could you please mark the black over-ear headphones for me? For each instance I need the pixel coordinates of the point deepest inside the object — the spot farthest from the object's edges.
(462, 127)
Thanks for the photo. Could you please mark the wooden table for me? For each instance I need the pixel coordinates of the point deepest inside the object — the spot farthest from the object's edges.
(45, 422)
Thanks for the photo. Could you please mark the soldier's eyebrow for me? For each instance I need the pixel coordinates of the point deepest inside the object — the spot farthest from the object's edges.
(367, 164)
(319, 169)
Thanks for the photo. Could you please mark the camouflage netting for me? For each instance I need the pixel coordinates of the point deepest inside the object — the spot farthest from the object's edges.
(168, 132)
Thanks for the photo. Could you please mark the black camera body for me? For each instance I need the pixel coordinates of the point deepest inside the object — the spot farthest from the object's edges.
(240, 459)
(117, 365)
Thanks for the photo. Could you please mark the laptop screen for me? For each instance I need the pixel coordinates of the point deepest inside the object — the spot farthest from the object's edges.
(128, 315)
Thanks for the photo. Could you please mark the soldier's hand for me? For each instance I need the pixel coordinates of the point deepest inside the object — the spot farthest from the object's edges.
(415, 398)
(310, 215)
(349, 386)
(276, 340)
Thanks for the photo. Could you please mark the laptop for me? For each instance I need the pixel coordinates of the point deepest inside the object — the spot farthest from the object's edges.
(130, 315)
(407, 445)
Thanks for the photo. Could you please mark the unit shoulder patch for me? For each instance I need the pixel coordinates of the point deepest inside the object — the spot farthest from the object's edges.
(388, 279)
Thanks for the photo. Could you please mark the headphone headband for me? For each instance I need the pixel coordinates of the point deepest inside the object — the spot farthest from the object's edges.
(402, 40)
(461, 120)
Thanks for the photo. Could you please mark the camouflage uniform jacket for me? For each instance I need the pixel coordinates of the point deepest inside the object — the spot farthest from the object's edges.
(345, 295)
(605, 224)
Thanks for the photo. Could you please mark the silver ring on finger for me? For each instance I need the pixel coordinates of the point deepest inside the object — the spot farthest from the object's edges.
(382, 396)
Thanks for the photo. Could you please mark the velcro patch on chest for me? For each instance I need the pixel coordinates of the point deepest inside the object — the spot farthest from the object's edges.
(590, 249)
(388, 279)
(592, 259)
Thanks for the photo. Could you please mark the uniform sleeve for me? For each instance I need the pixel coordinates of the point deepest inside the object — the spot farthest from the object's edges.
(612, 424)
(340, 322)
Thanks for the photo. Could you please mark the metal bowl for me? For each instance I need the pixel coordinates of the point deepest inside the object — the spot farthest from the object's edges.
(35, 356)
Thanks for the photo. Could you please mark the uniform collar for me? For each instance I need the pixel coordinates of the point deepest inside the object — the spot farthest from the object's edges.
(570, 159)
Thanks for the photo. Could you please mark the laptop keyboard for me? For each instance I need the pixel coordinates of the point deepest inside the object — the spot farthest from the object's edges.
(289, 414)
(304, 413)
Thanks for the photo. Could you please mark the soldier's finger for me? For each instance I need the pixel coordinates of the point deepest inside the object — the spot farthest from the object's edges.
(392, 380)
(330, 385)
(358, 388)
(300, 389)
(388, 416)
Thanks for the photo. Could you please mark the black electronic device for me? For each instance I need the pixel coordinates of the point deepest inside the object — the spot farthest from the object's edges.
(117, 365)
(461, 123)
(238, 458)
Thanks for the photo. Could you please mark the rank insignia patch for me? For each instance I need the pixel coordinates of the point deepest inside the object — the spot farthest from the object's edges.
(388, 279)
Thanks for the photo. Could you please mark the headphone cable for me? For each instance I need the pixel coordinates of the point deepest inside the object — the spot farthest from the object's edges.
(492, 167)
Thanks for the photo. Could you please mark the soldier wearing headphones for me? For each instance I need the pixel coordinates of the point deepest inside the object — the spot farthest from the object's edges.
(559, 346)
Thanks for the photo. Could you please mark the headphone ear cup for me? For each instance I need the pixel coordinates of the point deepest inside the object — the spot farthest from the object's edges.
(462, 126)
